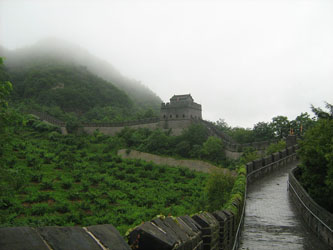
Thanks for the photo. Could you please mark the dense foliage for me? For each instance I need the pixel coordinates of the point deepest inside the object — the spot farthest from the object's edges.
(50, 179)
(316, 154)
(194, 143)
(49, 77)
(238, 190)
(278, 128)
(218, 189)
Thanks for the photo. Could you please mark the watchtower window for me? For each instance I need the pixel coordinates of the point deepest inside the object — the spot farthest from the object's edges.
(176, 116)
(164, 116)
(170, 116)
(183, 116)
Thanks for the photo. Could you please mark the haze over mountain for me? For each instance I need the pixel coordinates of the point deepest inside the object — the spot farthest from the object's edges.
(55, 72)
(67, 52)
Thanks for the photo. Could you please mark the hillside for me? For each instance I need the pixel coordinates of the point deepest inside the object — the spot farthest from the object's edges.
(50, 179)
(57, 74)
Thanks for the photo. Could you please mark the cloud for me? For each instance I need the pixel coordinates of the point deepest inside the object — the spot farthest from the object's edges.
(245, 61)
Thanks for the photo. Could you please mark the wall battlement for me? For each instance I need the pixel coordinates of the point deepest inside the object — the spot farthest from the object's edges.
(176, 115)
(182, 107)
(212, 231)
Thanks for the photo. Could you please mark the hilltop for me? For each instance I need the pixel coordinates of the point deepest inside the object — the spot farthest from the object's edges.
(60, 77)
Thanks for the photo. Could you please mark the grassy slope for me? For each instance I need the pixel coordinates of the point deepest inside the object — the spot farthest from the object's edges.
(51, 179)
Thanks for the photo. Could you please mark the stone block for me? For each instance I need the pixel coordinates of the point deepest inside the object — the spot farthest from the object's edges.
(291, 140)
(283, 153)
(21, 238)
(257, 164)
(290, 150)
(149, 236)
(209, 227)
(188, 225)
(229, 227)
(268, 160)
(223, 235)
(68, 238)
(249, 167)
(276, 156)
(109, 237)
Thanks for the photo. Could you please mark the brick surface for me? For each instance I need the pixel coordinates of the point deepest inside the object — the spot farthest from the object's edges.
(271, 220)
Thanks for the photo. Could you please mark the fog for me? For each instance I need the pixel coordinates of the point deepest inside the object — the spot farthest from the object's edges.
(244, 61)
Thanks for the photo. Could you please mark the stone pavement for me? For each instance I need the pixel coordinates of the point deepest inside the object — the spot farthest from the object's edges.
(271, 220)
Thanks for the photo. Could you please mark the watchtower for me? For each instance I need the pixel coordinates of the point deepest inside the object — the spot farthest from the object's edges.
(181, 107)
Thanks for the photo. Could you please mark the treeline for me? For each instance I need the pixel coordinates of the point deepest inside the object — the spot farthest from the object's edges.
(280, 127)
(316, 155)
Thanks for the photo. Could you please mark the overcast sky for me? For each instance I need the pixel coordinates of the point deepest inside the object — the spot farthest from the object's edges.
(245, 61)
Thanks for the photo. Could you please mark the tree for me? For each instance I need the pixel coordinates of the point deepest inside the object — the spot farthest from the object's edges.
(316, 154)
(263, 131)
(213, 149)
(157, 142)
(301, 124)
(222, 125)
(196, 134)
(242, 135)
(322, 114)
(281, 126)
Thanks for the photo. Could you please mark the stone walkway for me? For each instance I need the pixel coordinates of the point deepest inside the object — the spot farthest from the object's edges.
(271, 220)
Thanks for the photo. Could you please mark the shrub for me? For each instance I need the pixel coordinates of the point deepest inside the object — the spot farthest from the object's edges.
(66, 183)
(276, 147)
(46, 185)
(39, 209)
(218, 189)
(62, 207)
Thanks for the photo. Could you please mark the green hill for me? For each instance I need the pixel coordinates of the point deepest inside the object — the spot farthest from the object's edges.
(59, 78)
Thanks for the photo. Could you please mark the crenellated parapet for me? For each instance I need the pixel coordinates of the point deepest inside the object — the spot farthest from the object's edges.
(181, 107)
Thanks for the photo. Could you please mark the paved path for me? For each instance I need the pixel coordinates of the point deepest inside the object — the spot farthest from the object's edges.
(271, 221)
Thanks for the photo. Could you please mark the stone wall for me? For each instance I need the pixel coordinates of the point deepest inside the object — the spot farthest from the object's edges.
(317, 218)
(196, 165)
(260, 167)
(65, 238)
(113, 130)
(176, 125)
(202, 231)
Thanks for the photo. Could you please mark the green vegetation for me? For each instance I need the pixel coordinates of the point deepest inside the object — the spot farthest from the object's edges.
(278, 128)
(238, 190)
(49, 77)
(50, 179)
(218, 189)
(276, 147)
(316, 154)
(194, 143)
(70, 93)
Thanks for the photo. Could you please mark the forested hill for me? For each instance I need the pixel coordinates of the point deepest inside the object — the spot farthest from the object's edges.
(57, 74)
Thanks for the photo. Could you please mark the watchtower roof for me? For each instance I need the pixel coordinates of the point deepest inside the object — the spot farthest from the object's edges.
(177, 98)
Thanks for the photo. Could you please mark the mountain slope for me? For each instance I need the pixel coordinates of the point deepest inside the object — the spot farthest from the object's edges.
(68, 53)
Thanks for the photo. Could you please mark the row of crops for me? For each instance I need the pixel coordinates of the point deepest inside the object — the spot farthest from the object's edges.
(50, 179)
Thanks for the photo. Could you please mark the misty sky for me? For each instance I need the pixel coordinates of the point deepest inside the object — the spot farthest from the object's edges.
(244, 61)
